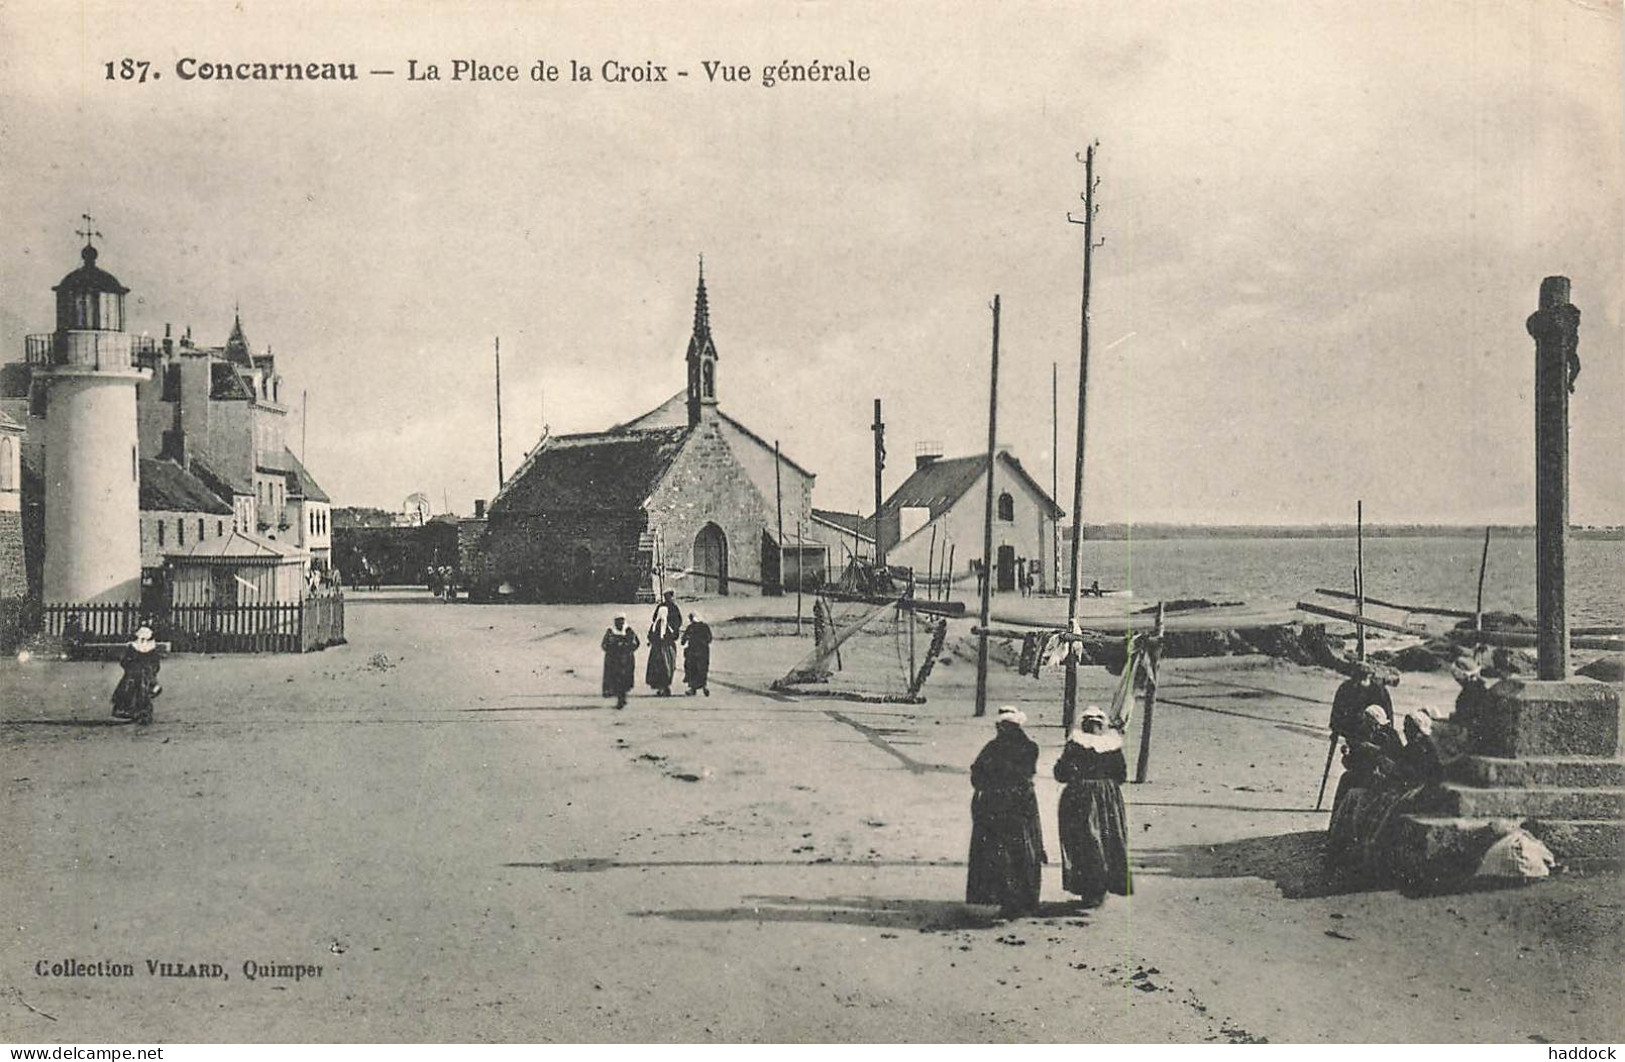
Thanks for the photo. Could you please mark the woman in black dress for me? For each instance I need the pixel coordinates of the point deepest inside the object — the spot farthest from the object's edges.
(1094, 827)
(1006, 845)
(132, 698)
(696, 640)
(620, 645)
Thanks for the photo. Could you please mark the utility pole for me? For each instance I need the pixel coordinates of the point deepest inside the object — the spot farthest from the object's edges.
(987, 521)
(778, 501)
(1055, 471)
(1069, 709)
(879, 428)
(501, 477)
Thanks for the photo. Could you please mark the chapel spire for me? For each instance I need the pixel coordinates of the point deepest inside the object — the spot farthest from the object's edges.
(702, 357)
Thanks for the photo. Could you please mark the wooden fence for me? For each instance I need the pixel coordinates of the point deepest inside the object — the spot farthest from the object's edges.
(293, 627)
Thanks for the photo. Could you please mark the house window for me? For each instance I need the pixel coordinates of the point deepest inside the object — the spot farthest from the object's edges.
(8, 481)
(219, 527)
(708, 380)
(160, 534)
(200, 529)
(180, 532)
(1007, 507)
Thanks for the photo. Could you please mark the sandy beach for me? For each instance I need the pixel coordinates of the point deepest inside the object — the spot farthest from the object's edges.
(471, 844)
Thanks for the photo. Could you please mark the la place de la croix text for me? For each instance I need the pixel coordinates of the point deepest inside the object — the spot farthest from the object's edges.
(473, 71)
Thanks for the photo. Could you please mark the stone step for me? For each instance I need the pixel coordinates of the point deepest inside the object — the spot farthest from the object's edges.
(1583, 844)
(1502, 802)
(1566, 771)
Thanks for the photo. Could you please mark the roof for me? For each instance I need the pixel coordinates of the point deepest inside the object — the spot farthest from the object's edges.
(167, 487)
(7, 424)
(851, 523)
(90, 279)
(673, 412)
(597, 472)
(300, 481)
(236, 348)
(225, 382)
(238, 547)
(940, 484)
(221, 485)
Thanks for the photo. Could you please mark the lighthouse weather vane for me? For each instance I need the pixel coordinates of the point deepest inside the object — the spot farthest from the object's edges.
(87, 232)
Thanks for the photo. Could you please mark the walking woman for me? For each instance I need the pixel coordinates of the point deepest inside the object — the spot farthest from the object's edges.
(697, 655)
(620, 647)
(132, 698)
(1006, 845)
(1094, 829)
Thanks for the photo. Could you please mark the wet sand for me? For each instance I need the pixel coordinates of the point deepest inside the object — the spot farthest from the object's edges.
(472, 845)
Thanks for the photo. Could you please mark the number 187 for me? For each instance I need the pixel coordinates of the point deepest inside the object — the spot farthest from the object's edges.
(129, 70)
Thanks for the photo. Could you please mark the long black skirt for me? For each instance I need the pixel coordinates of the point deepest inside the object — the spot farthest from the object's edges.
(697, 666)
(1006, 849)
(1094, 840)
(662, 665)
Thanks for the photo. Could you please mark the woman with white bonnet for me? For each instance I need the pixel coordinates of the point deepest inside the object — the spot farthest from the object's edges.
(1006, 844)
(620, 647)
(132, 698)
(1094, 827)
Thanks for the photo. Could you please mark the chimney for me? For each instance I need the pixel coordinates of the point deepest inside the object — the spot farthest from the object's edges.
(925, 452)
(169, 344)
(479, 508)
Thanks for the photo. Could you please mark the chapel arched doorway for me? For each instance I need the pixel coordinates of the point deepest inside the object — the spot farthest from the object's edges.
(711, 559)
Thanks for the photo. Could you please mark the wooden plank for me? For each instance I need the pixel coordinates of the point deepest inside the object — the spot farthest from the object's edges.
(1523, 640)
(1349, 617)
(1421, 610)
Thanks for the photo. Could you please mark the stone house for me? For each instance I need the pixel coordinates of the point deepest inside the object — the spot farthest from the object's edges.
(682, 497)
(944, 502)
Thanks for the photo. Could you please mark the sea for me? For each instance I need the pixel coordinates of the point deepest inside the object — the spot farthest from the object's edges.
(1436, 572)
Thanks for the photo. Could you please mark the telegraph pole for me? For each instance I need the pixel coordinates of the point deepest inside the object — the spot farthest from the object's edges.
(879, 428)
(1055, 471)
(501, 478)
(778, 503)
(1069, 708)
(987, 521)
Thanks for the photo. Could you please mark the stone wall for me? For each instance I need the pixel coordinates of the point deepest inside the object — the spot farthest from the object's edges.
(13, 578)
(565, 556)
(708, 485)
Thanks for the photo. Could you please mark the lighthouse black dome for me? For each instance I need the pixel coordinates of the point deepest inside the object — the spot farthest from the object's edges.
(89, 279)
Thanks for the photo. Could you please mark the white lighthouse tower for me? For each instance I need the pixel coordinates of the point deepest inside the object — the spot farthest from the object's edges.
(89, 371)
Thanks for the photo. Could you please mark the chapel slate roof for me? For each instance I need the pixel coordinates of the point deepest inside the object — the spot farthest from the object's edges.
(597, 472)
(167, 487)
(938, 485)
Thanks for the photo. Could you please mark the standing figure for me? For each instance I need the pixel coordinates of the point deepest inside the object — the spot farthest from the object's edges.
(1360, 691)
(1094, 827)
(697, 655)
(1006, 844)
(664, 629)
(132, 698)
(1021, 575)
(620, 647)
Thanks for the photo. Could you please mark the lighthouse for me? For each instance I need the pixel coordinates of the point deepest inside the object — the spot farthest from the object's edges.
(88, 369)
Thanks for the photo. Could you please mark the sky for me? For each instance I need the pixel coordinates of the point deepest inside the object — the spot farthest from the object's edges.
(1324, 226)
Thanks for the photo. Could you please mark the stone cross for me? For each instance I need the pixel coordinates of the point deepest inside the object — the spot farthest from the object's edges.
(1556, 330)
